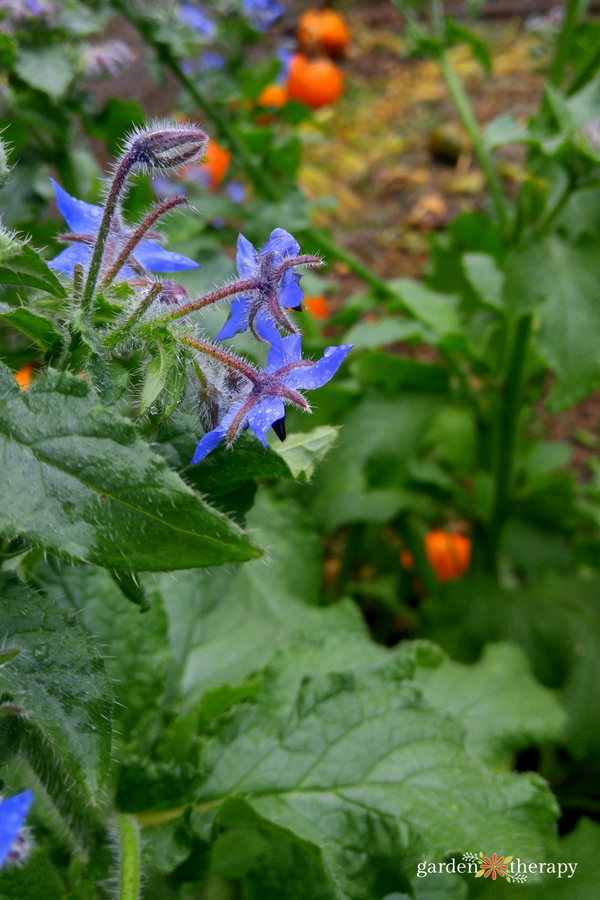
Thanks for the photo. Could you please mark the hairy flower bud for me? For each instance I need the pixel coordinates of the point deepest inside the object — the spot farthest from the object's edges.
(169, 147)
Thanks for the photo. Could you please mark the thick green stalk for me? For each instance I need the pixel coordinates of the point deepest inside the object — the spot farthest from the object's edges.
(128, 835)
(506, 437)
(471, 125)
(574, 11)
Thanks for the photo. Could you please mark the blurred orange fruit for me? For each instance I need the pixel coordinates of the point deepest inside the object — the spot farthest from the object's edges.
(323, 29)
(274, 95)
(215, 164)
(23, 377)
(314, 82)
(406, 559)
(317, 306)
(448, 553)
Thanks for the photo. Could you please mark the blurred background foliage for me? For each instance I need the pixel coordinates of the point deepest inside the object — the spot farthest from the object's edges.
(454, 192)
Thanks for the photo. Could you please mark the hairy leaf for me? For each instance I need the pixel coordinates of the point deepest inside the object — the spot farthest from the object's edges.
(82, 483)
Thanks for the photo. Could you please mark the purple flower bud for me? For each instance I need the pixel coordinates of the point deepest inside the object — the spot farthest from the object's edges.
(168, 147)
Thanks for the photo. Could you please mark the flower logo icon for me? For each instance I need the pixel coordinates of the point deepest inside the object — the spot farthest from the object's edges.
(493, 866)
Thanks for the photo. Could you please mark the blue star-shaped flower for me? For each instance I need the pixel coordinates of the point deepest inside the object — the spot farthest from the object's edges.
(261, 406)
(12, 817)
(261, 14)
(84, 220)
(273, 292)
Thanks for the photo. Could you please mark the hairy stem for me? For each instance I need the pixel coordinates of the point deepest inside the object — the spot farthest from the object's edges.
(226, 358)
(463, 106)
(110, 208)
(139, 233)
(237, 287)
(506, 437)
(128, 835)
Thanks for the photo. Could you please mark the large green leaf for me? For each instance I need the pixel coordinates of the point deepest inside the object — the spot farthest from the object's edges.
(49, 69)
(556, 621)
(503, 708)
(80, 481)
(580, 847)
(26, 269)
(223, 625)
(564, 282)
(365, 770)
(135, 646)
(304, 451)
(59, 682)
(38, 328)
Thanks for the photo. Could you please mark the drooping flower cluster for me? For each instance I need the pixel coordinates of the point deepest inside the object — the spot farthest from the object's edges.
(233, 395)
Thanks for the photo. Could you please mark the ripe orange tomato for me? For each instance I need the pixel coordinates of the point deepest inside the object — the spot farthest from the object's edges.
(323, 29)
(314, 82)
(274, 95)
(317, 306)
(23, 377)
(449, 554)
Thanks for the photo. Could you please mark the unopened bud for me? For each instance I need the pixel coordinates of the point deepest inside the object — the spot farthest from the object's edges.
(170, 147)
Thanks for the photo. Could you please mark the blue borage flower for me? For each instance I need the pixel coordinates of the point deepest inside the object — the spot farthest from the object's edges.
(12, 817)
(84, 220)
(279, 284)
(261, 14)
(260, 405)
(197, 20)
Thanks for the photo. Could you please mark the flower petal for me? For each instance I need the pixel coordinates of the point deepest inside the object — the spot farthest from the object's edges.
(292, 348)
(290, 294)
(282, 244)
(66, 261)
(322, 371)
(263, 414)
(208, 443)
(155, 258)
(237, 321)
(79, 216)
(245, 259)
(12, 816)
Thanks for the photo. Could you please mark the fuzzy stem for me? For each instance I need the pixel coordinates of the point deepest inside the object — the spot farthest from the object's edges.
(139, 233)
(129, 847)
(237, 287)
(231, 361)
(113, 337)
(463, 106)
(110, 208)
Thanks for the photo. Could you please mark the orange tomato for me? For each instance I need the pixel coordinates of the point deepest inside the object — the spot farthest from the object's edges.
(323, 29)
(314, 82)
(274, 95)
(448, 553)
(317, 306)
(215, 164)
(23, 377)
(406, 559)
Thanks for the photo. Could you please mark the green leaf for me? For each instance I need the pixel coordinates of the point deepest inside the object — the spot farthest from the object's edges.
(83, 484)
(166, 846)
(458, 34)
(47, 69)
(223, 625)
(26, 269)
(157, 372)
(59, 681)
(135, 646)
(556, 621)
(385, 331)
(485, 277)
(436, 310)
(503, 708)
(581, 848)
(38, 328)
(564, 282)
(350, 769)
(304, 451)
(503, 130)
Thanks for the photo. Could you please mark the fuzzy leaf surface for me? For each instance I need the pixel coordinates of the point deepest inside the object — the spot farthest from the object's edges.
(82, 483)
